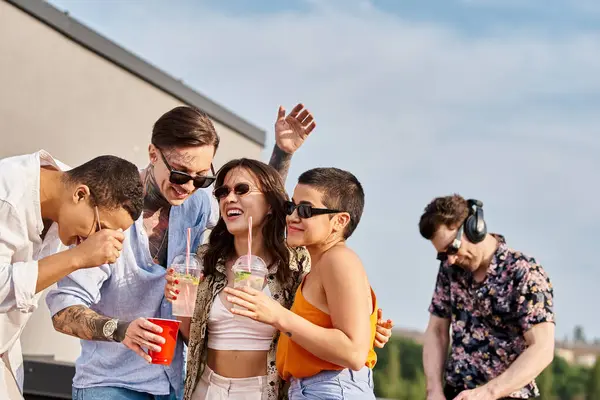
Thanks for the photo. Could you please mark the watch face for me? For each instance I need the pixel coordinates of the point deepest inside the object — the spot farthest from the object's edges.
(109, 328)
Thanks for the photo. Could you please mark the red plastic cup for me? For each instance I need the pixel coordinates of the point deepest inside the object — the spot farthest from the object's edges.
(170, 328)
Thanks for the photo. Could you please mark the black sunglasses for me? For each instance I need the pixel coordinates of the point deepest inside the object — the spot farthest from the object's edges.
(181, 178)
(240, 189)
(306, 210)
(453, 247)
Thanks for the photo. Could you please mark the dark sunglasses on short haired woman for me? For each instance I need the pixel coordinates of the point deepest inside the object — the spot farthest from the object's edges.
(181, 178)
(306, 210)
(240, 189)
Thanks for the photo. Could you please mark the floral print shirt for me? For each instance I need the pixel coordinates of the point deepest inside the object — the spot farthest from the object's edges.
(209, 288)
(489, 319)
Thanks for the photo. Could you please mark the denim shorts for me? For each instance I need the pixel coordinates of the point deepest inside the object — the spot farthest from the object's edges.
(333, 385)
(116, 393)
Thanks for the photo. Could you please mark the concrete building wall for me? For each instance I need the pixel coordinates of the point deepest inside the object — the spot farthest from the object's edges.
(59, 96)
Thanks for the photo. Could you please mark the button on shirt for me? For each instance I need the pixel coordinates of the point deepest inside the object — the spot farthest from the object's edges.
(132, 287)
(21, 247)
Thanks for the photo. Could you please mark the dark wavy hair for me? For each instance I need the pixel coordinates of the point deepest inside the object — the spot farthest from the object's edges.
(269, 182)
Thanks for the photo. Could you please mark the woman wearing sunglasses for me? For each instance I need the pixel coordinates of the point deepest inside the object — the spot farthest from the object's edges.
(234, 358)
(327, 350)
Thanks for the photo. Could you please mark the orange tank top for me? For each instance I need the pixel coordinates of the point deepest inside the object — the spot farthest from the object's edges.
(294, 361)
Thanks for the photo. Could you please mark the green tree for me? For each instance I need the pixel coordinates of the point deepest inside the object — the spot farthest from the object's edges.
(545, 382)
(592, 391)
(415, 389)
(399, 370)
(388, 380)
(411, 359)
(578, 335)
(569, 380)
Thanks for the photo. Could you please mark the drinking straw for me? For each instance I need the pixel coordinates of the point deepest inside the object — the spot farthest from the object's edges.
(249, 243)
(187, 254)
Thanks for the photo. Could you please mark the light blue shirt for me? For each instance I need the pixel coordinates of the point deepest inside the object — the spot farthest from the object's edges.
(133, 287)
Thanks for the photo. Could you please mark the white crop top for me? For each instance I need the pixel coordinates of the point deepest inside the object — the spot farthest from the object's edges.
(240, 333)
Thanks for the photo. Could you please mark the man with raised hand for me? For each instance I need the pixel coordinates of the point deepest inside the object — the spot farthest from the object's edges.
(108, 309)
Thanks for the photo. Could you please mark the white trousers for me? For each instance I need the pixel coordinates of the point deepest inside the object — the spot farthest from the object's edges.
(9, 389)
(216, 387)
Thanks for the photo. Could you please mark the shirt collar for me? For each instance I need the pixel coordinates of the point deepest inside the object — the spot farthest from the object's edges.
(43, 158)
(500, 254)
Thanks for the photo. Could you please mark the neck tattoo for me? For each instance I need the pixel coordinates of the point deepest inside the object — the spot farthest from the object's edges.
(156, 218)
(153, 199)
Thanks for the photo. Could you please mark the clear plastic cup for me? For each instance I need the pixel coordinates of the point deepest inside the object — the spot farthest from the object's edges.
(189, 277)
(253, 276)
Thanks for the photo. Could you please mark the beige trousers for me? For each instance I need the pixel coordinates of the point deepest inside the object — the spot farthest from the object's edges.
(9, 389)
(216, 387)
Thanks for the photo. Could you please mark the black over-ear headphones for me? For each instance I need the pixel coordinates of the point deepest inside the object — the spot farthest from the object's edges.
(475, 227)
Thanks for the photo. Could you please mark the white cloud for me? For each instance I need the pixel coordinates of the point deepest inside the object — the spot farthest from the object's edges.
(577, 7)
(415, 110)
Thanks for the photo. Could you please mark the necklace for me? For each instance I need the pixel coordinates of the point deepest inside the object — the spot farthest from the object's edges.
(156, 255)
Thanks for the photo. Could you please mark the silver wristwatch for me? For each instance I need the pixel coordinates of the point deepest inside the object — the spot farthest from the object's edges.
(109, 328)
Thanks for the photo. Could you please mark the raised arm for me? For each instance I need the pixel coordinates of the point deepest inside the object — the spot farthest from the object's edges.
(281, 161)
(290, 133)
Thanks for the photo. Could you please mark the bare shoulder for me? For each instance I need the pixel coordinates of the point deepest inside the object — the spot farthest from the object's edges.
(342, 262)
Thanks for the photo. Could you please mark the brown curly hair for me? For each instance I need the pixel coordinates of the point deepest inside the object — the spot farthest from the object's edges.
(450, 211)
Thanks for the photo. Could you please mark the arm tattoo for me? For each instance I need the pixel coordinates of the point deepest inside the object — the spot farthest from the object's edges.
(81, 322)
(280, 160)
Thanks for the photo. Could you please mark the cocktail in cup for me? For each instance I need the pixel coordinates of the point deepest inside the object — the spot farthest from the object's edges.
(188, 276)
(253, 276)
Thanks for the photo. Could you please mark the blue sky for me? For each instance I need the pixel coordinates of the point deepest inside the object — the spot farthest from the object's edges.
(493, 99)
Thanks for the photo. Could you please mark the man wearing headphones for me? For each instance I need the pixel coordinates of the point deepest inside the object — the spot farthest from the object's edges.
(498, 303)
